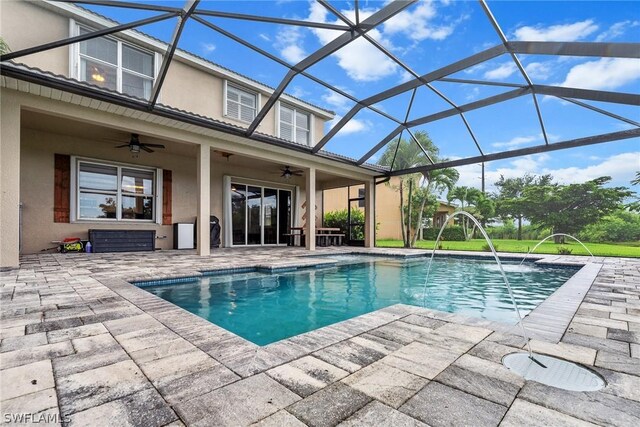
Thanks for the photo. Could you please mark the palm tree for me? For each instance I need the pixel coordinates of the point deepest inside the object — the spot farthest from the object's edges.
(407, 154)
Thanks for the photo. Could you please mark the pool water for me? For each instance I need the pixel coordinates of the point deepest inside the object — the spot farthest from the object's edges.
(264, 308)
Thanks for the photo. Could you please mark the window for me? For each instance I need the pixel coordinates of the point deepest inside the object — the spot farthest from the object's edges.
(294, 125)
(114, 192)
(115, 65)
(241, 105)
(361, 197)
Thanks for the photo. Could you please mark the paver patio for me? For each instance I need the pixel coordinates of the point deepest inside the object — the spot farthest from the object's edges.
(82, 345)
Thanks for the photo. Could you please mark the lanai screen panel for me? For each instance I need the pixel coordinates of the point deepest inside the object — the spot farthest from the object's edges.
(456, 72)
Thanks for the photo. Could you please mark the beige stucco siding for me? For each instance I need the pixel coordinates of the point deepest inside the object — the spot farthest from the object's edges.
(193, 90)
(196, 87)
(37, 186)
(24, 24)
(387, 207)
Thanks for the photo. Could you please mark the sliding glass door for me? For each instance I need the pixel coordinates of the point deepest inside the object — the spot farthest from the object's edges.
(260, 215)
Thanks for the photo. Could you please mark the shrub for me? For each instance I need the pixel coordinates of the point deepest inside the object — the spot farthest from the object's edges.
(455, 233)
(621, 226)
(564, 251)
(487, 248)
(339, 219)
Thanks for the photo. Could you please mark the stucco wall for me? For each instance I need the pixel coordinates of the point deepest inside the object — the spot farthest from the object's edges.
(37, 186)
(24, 24)
(387, 207)
(188, 86)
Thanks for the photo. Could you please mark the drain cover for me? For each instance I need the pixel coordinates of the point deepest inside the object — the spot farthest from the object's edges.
(558, 373)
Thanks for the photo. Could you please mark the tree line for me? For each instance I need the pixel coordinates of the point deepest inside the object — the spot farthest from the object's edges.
(591, 207)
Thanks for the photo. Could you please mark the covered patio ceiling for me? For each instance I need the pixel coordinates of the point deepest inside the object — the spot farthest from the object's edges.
(401, 120)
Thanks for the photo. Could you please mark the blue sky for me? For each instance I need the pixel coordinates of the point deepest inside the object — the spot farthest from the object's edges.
(428, 36)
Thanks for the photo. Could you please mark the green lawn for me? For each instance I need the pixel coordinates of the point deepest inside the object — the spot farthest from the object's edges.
(625, 249)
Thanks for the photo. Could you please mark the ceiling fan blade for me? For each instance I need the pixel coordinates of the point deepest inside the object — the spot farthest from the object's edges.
(145, 148)
(154, 145)
(297, 173)
(122, 146)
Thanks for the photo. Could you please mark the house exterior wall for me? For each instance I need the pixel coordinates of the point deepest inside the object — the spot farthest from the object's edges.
(192, 85)
(37, 187)
(25, 24)
(387, 207)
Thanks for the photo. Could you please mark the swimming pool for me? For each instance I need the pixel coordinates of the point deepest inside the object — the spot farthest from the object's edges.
(265, 307)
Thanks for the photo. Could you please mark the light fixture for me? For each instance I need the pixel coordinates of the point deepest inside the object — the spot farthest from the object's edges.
(97, 75)
(287, 174)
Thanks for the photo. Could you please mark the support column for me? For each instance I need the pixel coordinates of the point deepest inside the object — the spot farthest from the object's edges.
(204, 199)
(369, 214)
(9, 182)
(310, 189)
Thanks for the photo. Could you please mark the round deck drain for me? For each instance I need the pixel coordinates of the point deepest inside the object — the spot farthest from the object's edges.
(557, 373)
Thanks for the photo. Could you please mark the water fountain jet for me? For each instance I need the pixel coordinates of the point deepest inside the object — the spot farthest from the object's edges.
(554, 235)
(525, 336)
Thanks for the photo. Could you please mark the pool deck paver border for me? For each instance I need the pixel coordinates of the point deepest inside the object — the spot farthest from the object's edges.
(82, 346)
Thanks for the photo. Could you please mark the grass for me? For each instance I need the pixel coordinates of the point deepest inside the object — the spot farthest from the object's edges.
(619, 249)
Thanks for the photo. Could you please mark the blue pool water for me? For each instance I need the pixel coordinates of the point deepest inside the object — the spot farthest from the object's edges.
(264, 308)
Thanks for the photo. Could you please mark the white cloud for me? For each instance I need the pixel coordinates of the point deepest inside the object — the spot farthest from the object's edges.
(603, 74)
(362, 61)
(502, 71)
(516, 142)
(621, 167)
(562, 32)
(616, 30)
(473, 94)
(264, 37)
(539, 70)
(405, 76)
(336, 101)
(352, 126)
(298, 92)
(289, 44)
(417, 24)
(207, 48)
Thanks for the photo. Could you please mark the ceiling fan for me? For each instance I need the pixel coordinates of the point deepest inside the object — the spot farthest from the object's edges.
(287, 173)
(135, 145)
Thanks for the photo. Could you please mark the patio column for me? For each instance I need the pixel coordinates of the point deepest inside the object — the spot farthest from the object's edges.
(310, 190)
(204, 199)
(369, 214)
(10, 182)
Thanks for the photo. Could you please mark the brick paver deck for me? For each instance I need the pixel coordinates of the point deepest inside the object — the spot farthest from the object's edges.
(82, 346)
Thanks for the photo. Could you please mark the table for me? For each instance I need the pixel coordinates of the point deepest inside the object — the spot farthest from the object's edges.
(325, 236)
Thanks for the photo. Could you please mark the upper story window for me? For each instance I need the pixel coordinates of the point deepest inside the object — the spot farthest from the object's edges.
(241, 104)
(295, 125)
(113, 192)
(116, 65)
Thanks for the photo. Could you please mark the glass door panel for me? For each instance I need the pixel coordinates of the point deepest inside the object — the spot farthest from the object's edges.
(270, 209)
(284, 215)
(254, 205)
(239, 213)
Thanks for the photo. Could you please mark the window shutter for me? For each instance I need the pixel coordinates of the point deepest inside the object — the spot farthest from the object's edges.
(166, 197)
(61, 187)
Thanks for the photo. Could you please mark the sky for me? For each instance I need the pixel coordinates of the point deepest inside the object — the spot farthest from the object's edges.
(429, 35)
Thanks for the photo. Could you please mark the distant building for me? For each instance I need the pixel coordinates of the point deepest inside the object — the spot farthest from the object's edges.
(387, 207)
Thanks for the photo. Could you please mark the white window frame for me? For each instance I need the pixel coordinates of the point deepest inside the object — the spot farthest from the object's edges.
(243, 90)
(296, 110)
(75, 60)
(75, 191)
